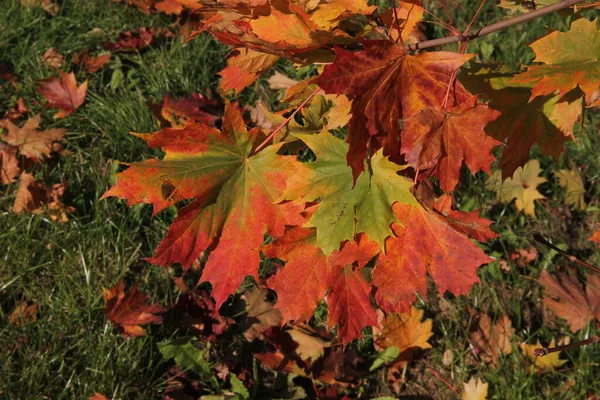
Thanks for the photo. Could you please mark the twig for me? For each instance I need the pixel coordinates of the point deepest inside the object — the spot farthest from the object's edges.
(493, 27)
(441, 379)
(540, 239)
(287, 121)
(542, 351)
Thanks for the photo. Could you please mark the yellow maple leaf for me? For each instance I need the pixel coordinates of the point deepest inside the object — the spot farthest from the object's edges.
(475, 390)
(406, 331)
(522, 186)
(573, 183)
(543, 363)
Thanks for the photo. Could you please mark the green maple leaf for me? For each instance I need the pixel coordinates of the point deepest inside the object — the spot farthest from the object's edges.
(345, 210)
(571, 59)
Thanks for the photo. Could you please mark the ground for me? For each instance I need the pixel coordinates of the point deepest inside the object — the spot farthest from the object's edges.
(72, 351)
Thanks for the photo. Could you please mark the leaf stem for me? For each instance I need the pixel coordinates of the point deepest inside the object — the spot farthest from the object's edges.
(493, 27)
(540, 239)
(284, 123)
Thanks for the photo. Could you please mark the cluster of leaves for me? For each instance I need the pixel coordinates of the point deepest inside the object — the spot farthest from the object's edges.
(411, 120)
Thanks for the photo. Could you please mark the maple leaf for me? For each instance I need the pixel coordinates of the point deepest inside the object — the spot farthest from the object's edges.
(565, 296)
(63, 93)
(546, 121)
(235, 194)
(349, 304)
(35, 197)
(475, 389)
(23, 314)
(9, 164)
(407, 15)
(571, 60)
(523, 187)
(30, 141)
(344, 210)
(542, 363)
(294, 29)
(383, 71)
(492, 339)
(443, 138)
(138, 39)
(279, 81)
(424, 243)
(309, 275)
(243, 68)
(47, 5)
(573, 183)
(128, 310)
(405, 331)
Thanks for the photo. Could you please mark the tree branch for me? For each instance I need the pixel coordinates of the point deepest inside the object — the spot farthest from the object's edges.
(493, 27)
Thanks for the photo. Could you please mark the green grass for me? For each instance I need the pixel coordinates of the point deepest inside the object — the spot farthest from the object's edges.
(71, 351)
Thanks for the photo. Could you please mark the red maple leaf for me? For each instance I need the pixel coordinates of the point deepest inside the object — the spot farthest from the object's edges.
(443, 138)
(63, 93)
(389, 85)
(127, 311)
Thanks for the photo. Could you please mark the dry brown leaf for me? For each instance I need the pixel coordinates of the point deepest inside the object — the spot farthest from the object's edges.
(261, 313)
(32, 142)
(9, 164)
(23, 314)
(565, 296)
(492, 340)
(35, 197)
(53, 58)
(18, 110)
(280, 81)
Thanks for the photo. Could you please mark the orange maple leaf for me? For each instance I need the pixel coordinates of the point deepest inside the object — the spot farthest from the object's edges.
(128, 310)
(443, 138)
(424, 243)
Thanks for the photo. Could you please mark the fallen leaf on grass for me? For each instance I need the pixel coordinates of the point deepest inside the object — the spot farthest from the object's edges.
(92, 64)
(522, 186)
(405, 331)
(35, 197)
(23, 314)
(63, 93)
(30, 141)
(573, 183)
(128, 310)
(565, 296)
(138, 39)
(595, 237)
(98, 396)
(47, 5)
(492, 339)
(18, 110)
(9, 164)
(544, 363)
(261, 313)
(475, 390)
(53, 58)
